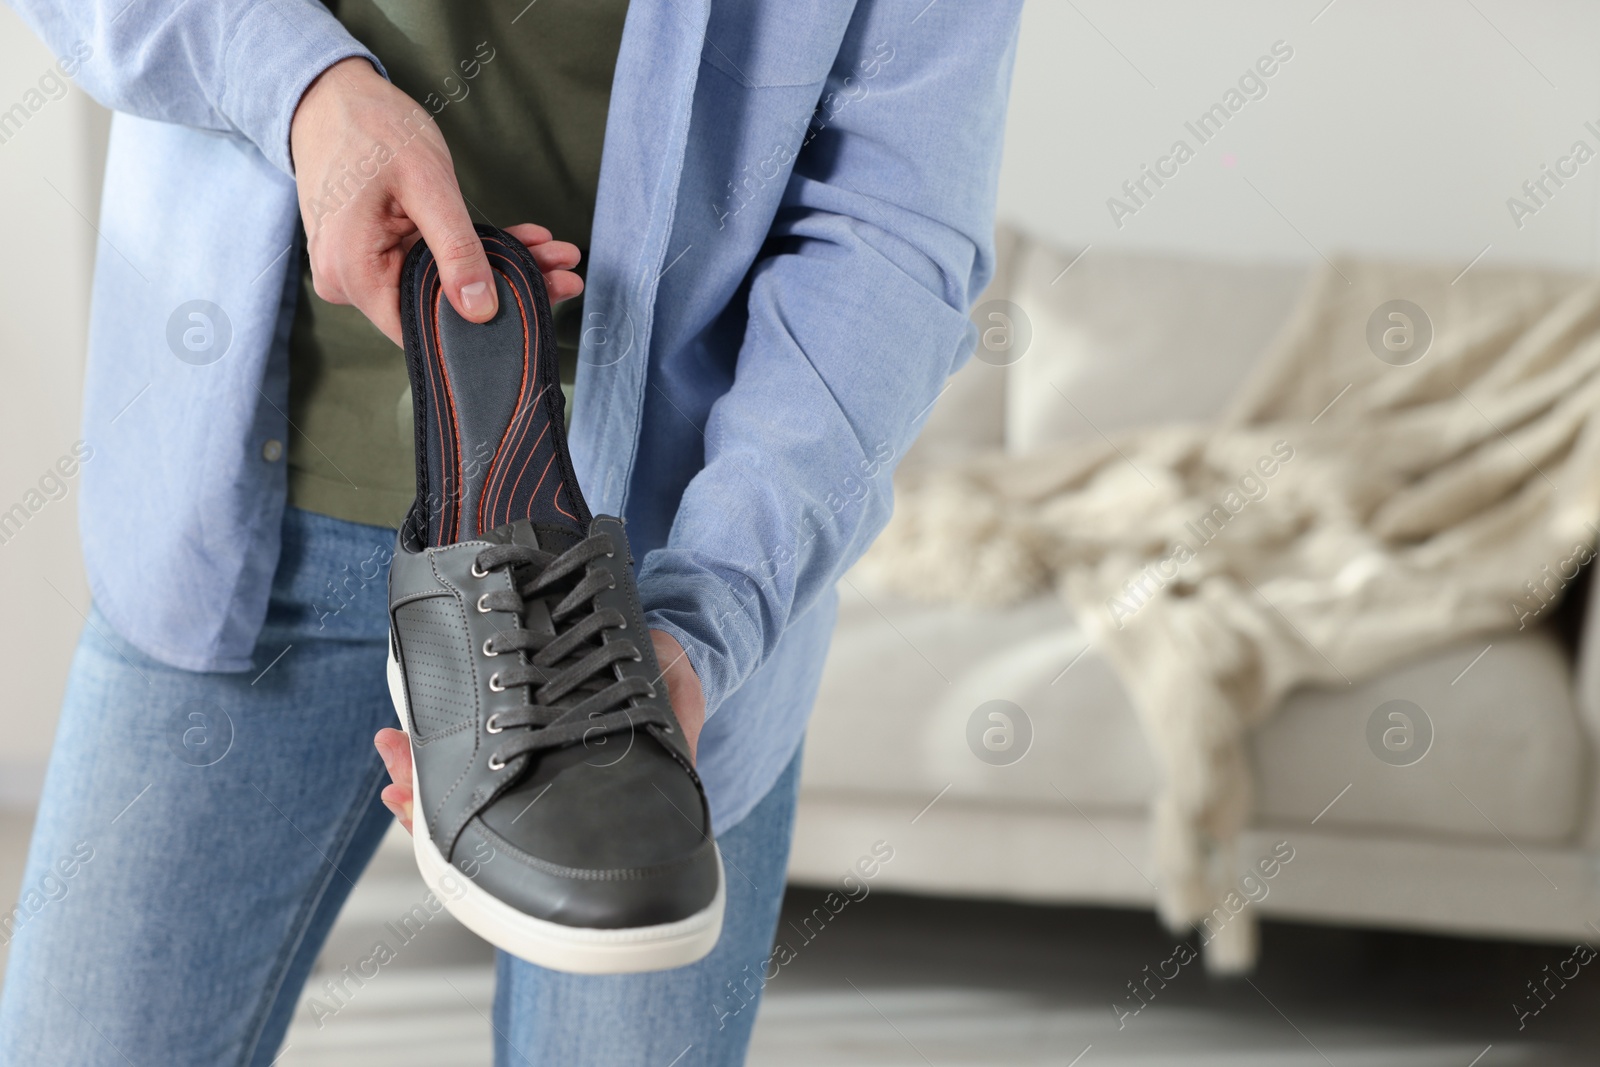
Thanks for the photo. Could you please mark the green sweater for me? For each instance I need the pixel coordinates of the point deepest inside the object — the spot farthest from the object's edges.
(520, 92)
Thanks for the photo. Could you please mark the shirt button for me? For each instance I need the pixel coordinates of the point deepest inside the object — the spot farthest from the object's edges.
(272, 451)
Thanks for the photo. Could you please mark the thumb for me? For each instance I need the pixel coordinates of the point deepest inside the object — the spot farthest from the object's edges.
(464, 271)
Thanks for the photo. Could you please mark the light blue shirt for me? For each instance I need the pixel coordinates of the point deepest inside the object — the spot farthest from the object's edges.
(795, 210)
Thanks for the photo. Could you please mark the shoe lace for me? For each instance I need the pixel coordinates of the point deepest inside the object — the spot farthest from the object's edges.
(574, 693)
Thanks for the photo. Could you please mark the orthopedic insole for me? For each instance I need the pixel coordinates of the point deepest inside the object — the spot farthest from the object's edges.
(491, 433)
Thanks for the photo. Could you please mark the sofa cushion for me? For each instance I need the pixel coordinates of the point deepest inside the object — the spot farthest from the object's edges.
(1127, 339)
(904, 681)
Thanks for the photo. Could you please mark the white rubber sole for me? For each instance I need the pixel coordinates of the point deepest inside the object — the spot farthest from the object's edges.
(579, 950)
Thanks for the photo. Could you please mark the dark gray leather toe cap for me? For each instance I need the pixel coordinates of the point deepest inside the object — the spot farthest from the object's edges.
(610, 898)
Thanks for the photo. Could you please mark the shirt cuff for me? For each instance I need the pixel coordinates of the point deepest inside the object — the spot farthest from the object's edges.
(717, 632)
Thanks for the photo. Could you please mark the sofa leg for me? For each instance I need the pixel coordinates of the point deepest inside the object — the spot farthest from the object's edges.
(1232, 949)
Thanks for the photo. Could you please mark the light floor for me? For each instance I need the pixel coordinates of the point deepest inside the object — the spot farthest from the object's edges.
(898, 980)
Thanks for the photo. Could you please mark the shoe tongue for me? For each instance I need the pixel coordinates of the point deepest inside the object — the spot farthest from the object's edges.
(543, 536)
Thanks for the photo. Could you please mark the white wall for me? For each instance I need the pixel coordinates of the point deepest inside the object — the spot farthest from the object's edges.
(49, 192)
(1395, 129)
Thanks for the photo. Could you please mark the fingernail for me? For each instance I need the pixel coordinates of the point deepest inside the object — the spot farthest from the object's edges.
(383, 754)
(408, 811)
(474, 297)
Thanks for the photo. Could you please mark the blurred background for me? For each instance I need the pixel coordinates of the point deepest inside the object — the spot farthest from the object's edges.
(1016, 918)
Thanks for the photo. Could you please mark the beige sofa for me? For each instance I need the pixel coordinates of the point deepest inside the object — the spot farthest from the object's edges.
(1493, 832)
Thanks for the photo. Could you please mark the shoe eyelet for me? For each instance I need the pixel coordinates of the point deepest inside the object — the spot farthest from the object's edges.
(477, 571)
(492, 726)
(496, 763)
(487, 651)
(638, 656)
(494, 683)
(482, 609)
(669, 729)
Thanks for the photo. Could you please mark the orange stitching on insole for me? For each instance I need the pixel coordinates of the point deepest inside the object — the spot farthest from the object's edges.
(523, 436)
(455, 419)
(522, 390)
(535, 495)
(535, 352)
(534, 451)
(555, 498)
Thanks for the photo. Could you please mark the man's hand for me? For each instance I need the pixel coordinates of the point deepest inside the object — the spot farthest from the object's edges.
(683, 689)
(374, 175)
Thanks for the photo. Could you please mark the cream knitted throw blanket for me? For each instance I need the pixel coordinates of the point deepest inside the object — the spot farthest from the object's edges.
(1346, 514)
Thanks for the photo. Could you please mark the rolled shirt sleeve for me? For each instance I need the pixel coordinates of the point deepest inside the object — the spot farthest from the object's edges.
(234, 66)
(855, 320)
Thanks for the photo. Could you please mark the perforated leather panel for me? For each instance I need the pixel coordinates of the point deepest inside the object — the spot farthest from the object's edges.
(438, 659)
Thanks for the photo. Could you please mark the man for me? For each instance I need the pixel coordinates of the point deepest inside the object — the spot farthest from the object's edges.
(792, 216)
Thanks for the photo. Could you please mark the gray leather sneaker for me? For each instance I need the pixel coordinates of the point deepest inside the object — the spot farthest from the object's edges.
(557, 811)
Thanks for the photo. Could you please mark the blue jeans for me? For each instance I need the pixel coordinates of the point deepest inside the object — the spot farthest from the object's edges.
(199, 832)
